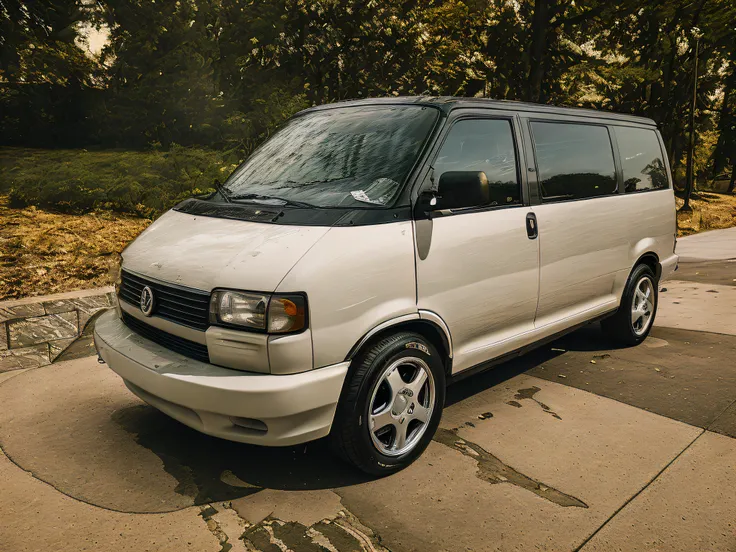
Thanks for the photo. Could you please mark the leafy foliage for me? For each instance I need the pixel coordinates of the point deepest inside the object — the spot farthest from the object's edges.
(225, 73)
(75, 181)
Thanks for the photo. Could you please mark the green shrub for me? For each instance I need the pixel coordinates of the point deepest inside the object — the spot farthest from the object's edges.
(79, 181)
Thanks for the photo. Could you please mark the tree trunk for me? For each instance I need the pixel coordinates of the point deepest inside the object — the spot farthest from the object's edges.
(540, 28)
(732, 184)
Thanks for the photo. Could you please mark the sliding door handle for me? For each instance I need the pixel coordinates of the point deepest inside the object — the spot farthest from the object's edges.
(531, 226)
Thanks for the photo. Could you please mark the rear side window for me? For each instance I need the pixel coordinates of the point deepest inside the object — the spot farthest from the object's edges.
(483, 145)
(641, 158)
(574, 161)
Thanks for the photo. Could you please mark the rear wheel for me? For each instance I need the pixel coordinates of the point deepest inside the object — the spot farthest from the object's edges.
(391, 404)
(633, 321)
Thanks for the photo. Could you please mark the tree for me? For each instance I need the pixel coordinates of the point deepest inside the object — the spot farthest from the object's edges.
(226, 73)
(46, 78)
(161, 72)
(38, 42)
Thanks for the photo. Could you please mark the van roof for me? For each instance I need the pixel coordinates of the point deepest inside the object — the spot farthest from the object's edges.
(447, 103)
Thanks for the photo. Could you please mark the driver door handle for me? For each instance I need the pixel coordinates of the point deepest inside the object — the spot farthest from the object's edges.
(531, 226)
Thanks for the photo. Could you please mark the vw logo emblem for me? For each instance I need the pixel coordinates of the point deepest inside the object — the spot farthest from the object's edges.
(147, 302)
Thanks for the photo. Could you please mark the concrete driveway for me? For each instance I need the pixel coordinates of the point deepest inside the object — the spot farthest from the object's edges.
(576, 446)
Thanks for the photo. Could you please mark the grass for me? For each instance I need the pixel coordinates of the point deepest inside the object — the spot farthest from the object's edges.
(44, 252)
(711, 211)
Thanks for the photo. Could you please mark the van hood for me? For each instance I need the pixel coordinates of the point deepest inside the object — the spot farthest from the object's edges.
(206, 253)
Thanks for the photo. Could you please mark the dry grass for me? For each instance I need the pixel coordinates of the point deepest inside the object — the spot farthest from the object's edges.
(710, 212)
(43, 252)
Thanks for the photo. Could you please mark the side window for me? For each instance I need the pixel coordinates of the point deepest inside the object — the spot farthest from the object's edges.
(574, 161)
(642, 160)
(483, 145)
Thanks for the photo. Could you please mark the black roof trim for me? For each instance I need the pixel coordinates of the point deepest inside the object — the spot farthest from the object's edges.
(447, 103)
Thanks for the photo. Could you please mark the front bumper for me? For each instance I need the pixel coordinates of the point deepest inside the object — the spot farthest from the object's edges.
(269, 409)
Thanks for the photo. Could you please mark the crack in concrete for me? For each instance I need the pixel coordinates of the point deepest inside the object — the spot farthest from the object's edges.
(492, 470)
(207, 513)
(11, 374)
(73, 497)
(636, 494)
(226, 525)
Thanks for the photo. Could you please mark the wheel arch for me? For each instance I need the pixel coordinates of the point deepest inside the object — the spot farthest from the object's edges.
(426, 324)
(651, 259)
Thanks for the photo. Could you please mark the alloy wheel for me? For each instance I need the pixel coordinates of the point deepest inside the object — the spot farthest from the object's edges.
(642, 305)
(401, 406)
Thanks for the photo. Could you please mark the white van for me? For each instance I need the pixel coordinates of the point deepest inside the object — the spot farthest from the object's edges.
(373, 251)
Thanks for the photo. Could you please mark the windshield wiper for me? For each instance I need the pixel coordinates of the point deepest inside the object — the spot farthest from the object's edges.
(225, 195)
(291, 202)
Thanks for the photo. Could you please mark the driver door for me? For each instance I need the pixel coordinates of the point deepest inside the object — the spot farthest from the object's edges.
(477, 266)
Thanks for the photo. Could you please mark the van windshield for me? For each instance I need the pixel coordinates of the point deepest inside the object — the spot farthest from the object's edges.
(349, 157)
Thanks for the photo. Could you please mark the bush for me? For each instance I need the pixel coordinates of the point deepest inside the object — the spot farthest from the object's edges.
(79, 181)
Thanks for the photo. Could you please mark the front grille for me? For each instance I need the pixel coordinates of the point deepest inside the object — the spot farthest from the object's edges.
(185, 306)
(190, 349)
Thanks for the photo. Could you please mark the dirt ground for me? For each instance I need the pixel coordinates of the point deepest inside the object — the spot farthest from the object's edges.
(43, 252)
(711, 211)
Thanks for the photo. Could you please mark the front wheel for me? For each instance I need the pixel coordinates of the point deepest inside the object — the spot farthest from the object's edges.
(633, 321)
(391, 404)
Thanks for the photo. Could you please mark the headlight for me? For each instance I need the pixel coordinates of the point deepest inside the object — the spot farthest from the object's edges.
(272, 313)
(239, 309)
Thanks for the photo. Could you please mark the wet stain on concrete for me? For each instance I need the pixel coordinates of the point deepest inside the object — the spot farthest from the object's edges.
(492, 470)
(209, 470)
(276, 535)
(529, 394)
(198, 473)
(339, 536)
(269, 535)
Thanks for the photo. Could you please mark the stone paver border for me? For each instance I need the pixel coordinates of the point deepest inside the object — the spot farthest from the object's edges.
(34, 331)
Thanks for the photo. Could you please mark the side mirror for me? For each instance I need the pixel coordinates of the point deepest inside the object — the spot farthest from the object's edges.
(459, 189)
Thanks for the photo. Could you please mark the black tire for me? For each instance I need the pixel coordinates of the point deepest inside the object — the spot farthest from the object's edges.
(620, 326)
(350, 436)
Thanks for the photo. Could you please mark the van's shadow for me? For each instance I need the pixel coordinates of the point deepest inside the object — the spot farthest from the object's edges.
(210, 469)
(587, 339)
